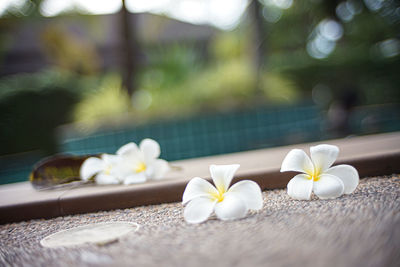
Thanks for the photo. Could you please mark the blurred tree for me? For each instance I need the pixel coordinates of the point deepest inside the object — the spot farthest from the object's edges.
(314, 42)
(259, 44)
(129, 47)
(129, 51)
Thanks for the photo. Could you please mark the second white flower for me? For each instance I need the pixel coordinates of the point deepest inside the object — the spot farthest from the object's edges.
(202, 198)
(317, 174)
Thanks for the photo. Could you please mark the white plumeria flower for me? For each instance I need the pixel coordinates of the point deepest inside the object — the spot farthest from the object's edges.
(317, 173)
(106, 169)
(229, 203)
(142, 163)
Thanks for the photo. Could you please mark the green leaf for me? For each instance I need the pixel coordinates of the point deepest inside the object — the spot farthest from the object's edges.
(57, 171)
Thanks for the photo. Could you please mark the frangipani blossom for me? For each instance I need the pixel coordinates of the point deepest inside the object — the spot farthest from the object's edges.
(202, 198)
(141, 163)
(106, 170)
(132, 164)
(318, 175)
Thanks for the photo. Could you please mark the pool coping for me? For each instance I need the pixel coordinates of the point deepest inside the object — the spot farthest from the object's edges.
(371, 155)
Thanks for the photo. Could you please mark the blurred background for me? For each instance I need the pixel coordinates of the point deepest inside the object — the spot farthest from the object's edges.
(202, 77)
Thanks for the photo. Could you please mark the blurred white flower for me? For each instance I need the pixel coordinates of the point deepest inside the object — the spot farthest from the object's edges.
(106, 170)
(131, 165)
(228, 203)
(141, 163)
(317, 173)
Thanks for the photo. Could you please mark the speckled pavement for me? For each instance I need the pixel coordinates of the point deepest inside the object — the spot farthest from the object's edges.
(361, 229)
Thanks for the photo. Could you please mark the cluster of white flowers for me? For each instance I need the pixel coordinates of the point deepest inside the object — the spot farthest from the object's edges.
(136, 164)
(229, 203)
(130, 165)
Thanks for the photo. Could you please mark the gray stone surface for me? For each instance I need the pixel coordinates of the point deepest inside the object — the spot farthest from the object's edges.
(361, 229)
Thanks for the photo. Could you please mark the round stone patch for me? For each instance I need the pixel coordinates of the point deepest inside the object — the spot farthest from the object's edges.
(98, 233)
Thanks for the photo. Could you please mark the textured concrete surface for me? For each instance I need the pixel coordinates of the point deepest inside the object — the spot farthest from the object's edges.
(362, 229)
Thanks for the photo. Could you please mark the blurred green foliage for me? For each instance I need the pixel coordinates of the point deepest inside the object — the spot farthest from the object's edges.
(177, 82)
(68, 51)
(103, 102)
(181, 79)
(357, 62)
(33, 105)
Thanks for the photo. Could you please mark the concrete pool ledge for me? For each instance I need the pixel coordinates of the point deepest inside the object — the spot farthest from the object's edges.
(371, 155)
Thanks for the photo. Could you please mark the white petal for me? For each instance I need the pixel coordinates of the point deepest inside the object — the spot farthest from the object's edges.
(135, 179)
(298, 161)
(157, 169)
(231, 208)
(328, 186)
(127, 165)
(199, 209)
(130, 148)
(348, 174)
(300, 187)
(121, 170)
(197, 187)
(222, 175)
(111, 159)
(323, 156)
(90, 167)
(102, 178)
(150, 149)
(249, 192)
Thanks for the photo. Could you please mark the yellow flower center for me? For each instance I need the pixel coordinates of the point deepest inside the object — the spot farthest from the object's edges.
(314, 175)
(141, 167)
(107, 171)
(218, 196)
